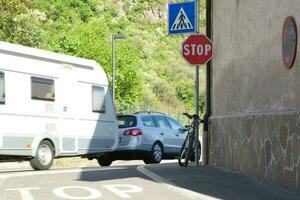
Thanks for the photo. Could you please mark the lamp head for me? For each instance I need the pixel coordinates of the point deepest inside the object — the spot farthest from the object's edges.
(119, 36)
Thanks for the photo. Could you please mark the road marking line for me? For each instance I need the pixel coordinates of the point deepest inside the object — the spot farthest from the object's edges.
(153, 176)
(36, 173)
(4, 176)
(189, 193)
(3, 179)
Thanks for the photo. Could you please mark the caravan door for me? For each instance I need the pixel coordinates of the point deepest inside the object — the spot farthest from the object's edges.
(68, 136)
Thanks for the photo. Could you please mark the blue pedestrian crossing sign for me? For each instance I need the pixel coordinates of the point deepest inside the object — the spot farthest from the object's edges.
(182, 18)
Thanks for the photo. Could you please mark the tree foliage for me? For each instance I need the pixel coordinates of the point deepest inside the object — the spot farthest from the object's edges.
(150, 69)
(20, 22)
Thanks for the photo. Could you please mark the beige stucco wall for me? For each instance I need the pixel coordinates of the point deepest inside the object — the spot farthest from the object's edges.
(255, 99)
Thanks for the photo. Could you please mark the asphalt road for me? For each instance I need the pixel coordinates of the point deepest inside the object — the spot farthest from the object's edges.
(110, 183)
(134, 180)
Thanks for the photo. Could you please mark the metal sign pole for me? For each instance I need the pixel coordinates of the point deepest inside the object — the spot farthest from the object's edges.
(197, 96)
(113, 70)
(197, 113)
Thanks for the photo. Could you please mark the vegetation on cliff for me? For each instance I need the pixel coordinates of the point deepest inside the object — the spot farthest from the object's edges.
(150, 70)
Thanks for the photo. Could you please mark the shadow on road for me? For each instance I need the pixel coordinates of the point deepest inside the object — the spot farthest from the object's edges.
(221, 183)
(110, 173)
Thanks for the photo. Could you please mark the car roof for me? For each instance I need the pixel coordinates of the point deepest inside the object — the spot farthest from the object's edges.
(149, 113)
(144, 113)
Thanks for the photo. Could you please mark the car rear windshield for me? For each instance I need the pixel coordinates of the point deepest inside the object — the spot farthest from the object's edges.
(126, 121)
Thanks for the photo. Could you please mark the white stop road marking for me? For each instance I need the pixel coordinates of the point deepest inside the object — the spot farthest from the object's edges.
(120, 190)
(60, 192)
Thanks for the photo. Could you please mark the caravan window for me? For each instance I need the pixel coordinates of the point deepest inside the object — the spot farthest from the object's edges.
(98, 99)
(2, 88)
(42, 89)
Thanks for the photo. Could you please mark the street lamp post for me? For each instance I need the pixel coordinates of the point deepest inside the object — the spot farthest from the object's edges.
(115, 37)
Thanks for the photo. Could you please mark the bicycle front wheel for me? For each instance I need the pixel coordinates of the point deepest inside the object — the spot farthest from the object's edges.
(182, 153)
(189, 150)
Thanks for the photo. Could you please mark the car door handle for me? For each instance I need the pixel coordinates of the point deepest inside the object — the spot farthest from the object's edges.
(161, 133)
(177, 135)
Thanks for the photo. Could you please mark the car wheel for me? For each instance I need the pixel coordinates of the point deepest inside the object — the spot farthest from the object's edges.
(156, 153)
(147, 161)
(44, 156)
(104, 162)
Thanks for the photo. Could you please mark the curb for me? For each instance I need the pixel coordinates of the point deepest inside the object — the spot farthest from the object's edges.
(171, 186)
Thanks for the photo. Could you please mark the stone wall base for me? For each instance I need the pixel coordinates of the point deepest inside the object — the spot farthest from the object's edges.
(263, 145)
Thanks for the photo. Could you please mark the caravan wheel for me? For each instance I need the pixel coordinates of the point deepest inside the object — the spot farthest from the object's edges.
(44, 156)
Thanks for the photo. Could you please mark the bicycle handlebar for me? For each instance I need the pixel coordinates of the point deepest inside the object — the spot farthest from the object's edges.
(194, 116)
(188, 115)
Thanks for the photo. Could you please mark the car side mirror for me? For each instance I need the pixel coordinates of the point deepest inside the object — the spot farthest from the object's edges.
(182, 130)
(187, 126)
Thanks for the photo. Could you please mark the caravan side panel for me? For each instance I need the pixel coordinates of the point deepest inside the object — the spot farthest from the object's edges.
(68, 121)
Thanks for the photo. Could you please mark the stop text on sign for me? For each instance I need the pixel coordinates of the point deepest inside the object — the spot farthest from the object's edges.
(197, 49)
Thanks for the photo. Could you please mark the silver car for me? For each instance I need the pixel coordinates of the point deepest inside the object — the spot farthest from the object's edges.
(148, 136)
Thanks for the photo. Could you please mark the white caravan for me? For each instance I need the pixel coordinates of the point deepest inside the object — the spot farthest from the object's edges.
(53, 105)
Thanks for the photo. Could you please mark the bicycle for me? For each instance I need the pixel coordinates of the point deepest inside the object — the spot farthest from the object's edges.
(188, 146)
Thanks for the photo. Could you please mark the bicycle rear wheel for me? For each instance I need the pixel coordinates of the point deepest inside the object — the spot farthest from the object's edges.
(193, 153)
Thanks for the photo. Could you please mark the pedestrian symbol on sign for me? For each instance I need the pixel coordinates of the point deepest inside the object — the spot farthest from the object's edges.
(182, 21)
(182, 18)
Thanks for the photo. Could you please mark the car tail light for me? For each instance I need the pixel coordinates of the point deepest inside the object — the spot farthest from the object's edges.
(133, 132)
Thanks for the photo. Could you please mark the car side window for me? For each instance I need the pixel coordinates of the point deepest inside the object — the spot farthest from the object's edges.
(162, 122)
(2, 88)
(174, 124)
(148, 121)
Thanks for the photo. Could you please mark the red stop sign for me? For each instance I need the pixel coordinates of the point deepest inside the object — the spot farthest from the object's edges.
(197, 49)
